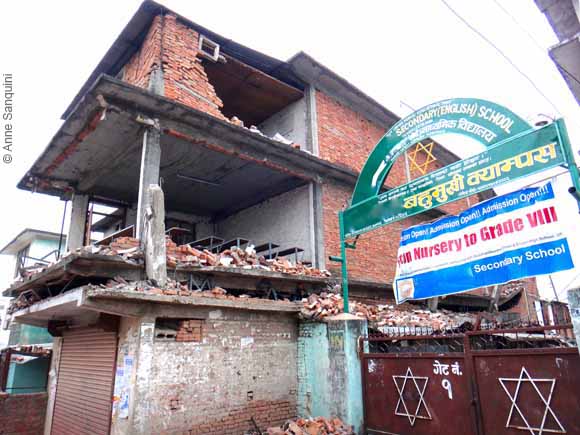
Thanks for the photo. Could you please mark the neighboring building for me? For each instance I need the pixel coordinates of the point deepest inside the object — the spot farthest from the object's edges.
(27, 371)
(175, 104)
(563, 16)
(28, 250)
(31, 249)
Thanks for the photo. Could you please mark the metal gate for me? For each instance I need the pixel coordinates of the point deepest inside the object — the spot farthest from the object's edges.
(85, 383)
(491, 382)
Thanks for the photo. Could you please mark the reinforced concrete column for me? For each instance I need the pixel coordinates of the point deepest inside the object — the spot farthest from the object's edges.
(345, 374)
(329, 369)
(78, 222)
(574, 306)
(149, 174)
(131, 411)
(51, 383)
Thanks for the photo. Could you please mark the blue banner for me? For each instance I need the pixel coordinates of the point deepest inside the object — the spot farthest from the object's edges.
(509, 237)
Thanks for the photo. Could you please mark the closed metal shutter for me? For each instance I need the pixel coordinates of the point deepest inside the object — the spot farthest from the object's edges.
(85, 383)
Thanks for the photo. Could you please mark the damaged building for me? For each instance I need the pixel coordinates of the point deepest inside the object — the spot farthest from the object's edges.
(186, 314)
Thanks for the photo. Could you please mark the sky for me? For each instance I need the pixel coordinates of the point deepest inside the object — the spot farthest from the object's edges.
(404, 54)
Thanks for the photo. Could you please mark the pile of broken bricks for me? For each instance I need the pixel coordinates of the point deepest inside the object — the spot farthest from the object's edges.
(183, 256)
(23, 300)
(172, 288)
(31, 349)
(312, 426)
(319, 307)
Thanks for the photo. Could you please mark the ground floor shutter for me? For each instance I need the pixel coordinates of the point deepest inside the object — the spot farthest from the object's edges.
(85, 383)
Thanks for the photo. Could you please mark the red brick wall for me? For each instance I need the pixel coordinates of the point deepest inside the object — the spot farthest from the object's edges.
(344, 137)
(185, 79)
(347, 138)
(526, 301)
(267, 413)
(375, 256)
(245, 366)
(138, 70)
(22, 414)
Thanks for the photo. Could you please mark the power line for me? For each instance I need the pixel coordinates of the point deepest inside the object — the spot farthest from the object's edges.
(502, 54)
(535, 41)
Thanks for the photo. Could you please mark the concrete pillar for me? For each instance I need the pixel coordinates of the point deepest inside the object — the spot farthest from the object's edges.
(78, 222)
(574, 306)
(345, 367)
(139, 409)
(149, 174)
(312, 120)
(134, 358)
(316, 225)
(51, 383)
(329, 370)
(155, 254)
(156, 82)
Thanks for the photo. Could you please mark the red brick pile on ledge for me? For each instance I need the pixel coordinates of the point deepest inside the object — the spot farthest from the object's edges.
(173, 288)
(186, 256)
(312, 426)
(318, 307)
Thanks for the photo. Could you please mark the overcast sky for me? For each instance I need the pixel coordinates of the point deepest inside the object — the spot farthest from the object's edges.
(411, 51)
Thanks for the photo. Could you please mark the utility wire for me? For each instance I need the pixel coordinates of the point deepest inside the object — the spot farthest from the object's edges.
(502, 54)
(529, 35)
(535, 41)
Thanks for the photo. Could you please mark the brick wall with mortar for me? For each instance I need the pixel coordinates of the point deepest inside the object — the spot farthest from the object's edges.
(375, 256)
(245, 366)
(347, 138)
(184, 76)
(22, 414)
(525, 307)
(138, 69)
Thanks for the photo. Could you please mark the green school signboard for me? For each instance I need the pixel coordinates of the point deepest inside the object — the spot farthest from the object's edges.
(524, 155)
(514, 149)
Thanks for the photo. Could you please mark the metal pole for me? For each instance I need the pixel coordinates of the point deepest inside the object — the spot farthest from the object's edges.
(344, 267)
(553, 288)
(569, 156)
(61, 230)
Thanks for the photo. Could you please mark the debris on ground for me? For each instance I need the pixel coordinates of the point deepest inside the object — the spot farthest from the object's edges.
(312, 426)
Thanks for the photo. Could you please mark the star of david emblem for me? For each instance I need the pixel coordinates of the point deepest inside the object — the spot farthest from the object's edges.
(416, 384)
(549, 419)
(420, 148)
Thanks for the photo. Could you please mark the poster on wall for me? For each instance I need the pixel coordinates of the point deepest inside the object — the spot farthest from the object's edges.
(509, 237)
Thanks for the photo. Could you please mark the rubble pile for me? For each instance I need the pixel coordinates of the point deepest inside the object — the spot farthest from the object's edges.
(511, 287)
(23, 300)
(31, 349)
(312, 426)
(318, 307)
(182, 256)
(172, 288)
(127, 248)
(186, 256)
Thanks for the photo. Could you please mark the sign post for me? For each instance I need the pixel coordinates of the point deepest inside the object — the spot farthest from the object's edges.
(513, 149)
